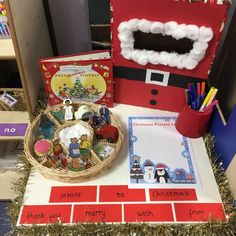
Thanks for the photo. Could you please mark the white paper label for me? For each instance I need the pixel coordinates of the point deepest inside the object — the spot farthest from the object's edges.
(8, 99)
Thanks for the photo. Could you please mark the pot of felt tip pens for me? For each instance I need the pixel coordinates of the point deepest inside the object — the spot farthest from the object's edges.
(193, 119)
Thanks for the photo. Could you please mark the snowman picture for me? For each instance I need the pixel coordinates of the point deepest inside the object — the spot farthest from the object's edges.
(148, 172)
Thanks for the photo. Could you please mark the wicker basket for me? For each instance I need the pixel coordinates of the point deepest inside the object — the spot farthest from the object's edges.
(64, 175)
(17, 93)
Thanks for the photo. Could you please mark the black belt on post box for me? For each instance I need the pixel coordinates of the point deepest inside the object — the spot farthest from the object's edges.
(157, 77)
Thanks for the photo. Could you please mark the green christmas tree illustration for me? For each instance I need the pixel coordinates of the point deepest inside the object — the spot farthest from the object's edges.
(136, 171)
(78, 90)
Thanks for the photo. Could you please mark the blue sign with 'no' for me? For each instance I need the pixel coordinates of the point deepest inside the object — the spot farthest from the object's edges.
(7, 129)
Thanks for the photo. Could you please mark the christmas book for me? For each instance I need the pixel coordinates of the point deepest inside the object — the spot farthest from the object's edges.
(83, 77)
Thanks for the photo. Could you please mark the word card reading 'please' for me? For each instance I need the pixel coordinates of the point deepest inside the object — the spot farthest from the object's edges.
(73, 194)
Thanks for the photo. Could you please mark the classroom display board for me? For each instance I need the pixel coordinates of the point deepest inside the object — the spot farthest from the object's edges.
(144, 185)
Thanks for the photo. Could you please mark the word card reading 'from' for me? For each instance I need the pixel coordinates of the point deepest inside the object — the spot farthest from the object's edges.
(97, 213)
(172, 194)
(73, 194)
(148, 213)
(44, 214)
(121, 193)
(199, 211)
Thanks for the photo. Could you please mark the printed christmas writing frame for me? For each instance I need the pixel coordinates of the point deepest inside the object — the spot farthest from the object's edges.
(159, 155)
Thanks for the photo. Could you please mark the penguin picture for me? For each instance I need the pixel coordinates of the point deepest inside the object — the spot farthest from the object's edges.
(161, 174)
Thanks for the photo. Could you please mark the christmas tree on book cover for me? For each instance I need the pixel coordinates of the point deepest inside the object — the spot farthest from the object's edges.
(78, 90)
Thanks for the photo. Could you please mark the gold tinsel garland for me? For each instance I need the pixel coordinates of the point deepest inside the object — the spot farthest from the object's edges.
(209, 228)
(202, 229)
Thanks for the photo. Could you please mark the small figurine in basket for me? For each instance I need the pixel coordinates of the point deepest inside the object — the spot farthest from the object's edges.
(59, 153)
(94, 120)
(74, 151)
(104, 113)
(108, 132)
(68, 109)
(84, 147)
(75, 165)
(84, 112)
(48, 161)
(88, 164)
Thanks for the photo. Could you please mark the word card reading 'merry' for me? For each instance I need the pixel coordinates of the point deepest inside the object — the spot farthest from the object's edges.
(97, 213)
(44, 214)
(148, 213)
(73, 194)
(172, 194)
(121, 193)
(199, 212)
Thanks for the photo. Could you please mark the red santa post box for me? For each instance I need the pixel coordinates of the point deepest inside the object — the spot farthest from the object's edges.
(160, 46)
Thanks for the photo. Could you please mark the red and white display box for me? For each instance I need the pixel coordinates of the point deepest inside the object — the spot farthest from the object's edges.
(109, 198)
(156, 68)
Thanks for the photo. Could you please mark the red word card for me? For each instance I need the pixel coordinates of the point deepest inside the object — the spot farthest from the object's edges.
(172, 194)
(199, 211)
(97, 213)
(121, 193)
(148, 212)
(73, 194)
(44, 214)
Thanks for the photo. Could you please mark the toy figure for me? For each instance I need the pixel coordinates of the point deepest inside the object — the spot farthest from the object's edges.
(59, 152)
(84, 147)
(104, 113)
(88, 165)
(94, 120)
(75, 163)
(108, 132)
(48, 161)
(68, 109)
(74, 151)
(85, 143)
(83, 113)
(46, 128)
(103, 150)
(64, 162)
(58, 113)
(57, 149)
(43, 147)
